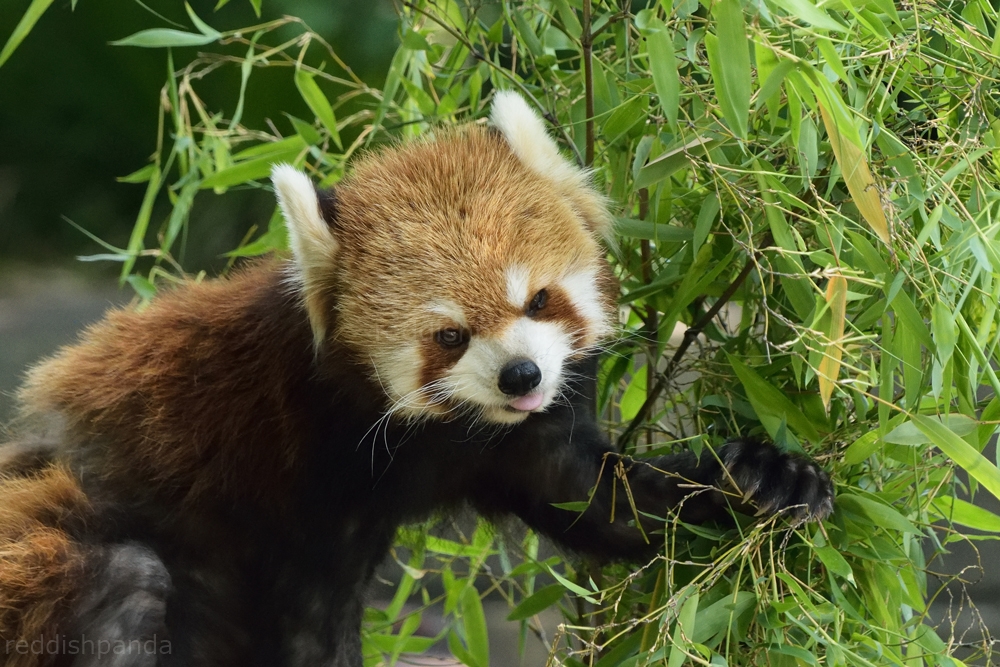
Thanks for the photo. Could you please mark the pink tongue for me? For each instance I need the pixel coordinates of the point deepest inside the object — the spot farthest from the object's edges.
(527, 403)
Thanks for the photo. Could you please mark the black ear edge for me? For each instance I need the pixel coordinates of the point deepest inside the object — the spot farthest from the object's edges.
(327, 205)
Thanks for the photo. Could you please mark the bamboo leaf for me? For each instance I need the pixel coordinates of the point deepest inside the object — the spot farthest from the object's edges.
(966, 514)
(624, 117)
(846, 144)
(683, 630)
(961, 452)
(318, 104)
(158, 38)
(729, 61)
(770, 404)
(671, 160)
(474, 621)
(23, 27)
(810, 13)
(202, 27)
(141, 223)
(829, 367)
(539, 601)
(663, 66)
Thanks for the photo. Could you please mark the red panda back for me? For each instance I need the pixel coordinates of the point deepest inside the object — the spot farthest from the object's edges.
(196, 391)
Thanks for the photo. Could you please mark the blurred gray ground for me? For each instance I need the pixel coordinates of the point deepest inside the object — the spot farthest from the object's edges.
(41, 309)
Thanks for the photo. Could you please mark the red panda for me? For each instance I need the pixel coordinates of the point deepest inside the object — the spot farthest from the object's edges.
(220, 473)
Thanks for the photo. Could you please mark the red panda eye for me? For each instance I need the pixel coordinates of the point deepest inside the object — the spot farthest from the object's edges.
(450, 338)
(538, 302)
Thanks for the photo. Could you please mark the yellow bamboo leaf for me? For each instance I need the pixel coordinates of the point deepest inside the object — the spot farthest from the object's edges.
(857, 175)
(829, 367)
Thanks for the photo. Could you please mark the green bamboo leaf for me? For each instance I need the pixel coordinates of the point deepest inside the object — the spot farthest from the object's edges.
(625, 117)
(569, 19)
(909, 433)
(910, 319)
(249, 170)
(771, 404)
(944, 329)
(23, 27)
(831, 57)
(673, 159)
(961, 452)
(663, 66)
(142, 286)
(573, 505)
(861, 448)
(141, 175)
(771, 85)
(539, 601)
(684, 630)
(966, 514)
(158, 38)
(835, 563)
(202, 27)
(880, 513)
(525, 32)
(280, 147)
(721, 615)
(474, 621)
(706, 218)
(569, 585)
(141, 223)
(729, 61)
(318, 104)
(810, 13)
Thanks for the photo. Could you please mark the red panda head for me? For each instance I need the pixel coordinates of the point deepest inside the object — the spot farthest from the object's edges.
(466, 270)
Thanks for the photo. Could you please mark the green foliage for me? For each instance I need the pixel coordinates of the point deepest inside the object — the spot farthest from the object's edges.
(810, 188)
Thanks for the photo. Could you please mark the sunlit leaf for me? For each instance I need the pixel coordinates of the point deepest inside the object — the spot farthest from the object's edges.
(158, 38)
(961, 452)
(318, 104)
(829, 367)
(23, 27)
(846, 146)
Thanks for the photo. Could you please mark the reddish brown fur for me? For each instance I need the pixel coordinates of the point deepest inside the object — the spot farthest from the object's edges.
(211, 427)
(41, 564)
(509, 216)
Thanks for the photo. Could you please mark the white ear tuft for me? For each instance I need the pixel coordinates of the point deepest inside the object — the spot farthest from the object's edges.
(310, 237)
(525, 133)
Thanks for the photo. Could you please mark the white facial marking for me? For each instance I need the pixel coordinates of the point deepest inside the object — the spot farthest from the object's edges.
(451, 310)
(477, 373)
(517, 285)
(399, 375)
(581, 288)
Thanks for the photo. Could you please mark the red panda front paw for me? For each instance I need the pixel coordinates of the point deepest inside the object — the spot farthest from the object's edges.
(774, 481)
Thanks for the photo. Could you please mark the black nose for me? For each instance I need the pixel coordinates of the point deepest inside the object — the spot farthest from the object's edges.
(519, 377)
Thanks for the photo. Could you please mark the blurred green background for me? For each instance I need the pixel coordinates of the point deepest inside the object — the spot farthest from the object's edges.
(76, 112)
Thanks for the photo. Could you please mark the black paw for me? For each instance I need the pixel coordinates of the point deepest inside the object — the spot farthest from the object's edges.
(774, 481)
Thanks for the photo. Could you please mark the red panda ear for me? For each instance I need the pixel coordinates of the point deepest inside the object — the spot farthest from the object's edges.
(525, 133)
(311, 238)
